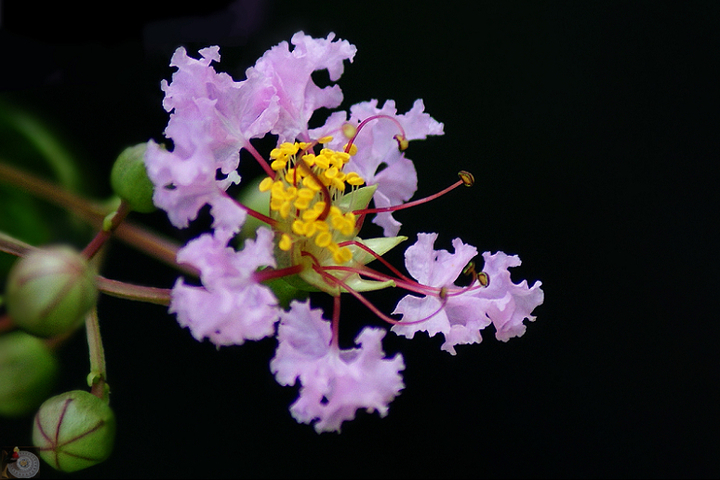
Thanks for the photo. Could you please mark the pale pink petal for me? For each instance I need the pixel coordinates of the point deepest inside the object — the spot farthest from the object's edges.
(230, 307)
(465, 311)
(335, 383)
(212, 118)
(290, 74)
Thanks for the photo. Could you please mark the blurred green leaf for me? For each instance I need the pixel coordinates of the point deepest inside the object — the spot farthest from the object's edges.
(29, 145)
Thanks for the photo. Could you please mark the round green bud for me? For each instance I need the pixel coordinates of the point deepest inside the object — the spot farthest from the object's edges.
(74, 430)
(129, 179)
(27, 373)
(50, 291)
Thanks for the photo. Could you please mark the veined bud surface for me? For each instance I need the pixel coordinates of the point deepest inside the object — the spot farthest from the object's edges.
(74, 430)
(50, 290)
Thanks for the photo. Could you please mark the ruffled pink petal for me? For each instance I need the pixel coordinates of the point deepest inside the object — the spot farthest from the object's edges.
(212, 118)
(466, 311)
(230, 307)
(290, 74)
(334, 383)
(512, 303)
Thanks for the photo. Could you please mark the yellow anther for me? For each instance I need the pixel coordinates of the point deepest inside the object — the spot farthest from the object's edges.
(325, 181)
(278, 188)
(290, 193)
(276, 203)
(349, 130)
(403, 143)
(354, 179)
(309, 159)
(467, 178)
(347, 228)
(343, 224)
(322, 226)
(331, 172)
(305, 193)
(302, 145)
(309, 215)
(311, 183)
(285, 242)
(293, 175)
(266, 184)
(298, 226)
(290, 148)
(278, 164)
(285, 209)
(310, 229)
(302, 203)
(349, 224)
(342, 255)
(338, 184)
(337, 221)
(335, 211)
(323, 161)
(352, 151)
(319, 206)
(343, 157)
(326, 139)
(323, 239)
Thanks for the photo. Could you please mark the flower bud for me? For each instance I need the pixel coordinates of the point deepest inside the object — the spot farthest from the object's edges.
(50, 291)
(27, 373)
(74, 430)
(129, 179)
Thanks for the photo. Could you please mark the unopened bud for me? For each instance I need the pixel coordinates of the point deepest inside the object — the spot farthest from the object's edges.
(27, 373)
(50, 291)
(74, 430)
(129, 179)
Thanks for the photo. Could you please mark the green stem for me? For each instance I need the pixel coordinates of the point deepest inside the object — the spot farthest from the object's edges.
(13, 246)
(128, 291)
(98, 373)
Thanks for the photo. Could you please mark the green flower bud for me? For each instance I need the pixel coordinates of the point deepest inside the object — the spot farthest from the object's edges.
(129, 179)
(50, 291)
(74, 430)
(27, 373)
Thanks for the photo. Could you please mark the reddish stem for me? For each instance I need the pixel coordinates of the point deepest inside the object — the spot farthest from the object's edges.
(410, 204)
(104, 234)
(335, 342)
(263, 164)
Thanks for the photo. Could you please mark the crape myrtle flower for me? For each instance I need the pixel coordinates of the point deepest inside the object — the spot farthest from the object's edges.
(318, 186)
(463, 312)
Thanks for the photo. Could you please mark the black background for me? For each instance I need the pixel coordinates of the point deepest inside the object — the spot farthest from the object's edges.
(592, 131)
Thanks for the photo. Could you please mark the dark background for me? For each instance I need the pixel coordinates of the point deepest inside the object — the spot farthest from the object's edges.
(592, 131)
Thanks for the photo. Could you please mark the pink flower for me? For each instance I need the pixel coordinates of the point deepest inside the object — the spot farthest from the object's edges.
(335, 383)
(230, 306)
(378, 160)
(465, 311)
(290, 74)
(212, 119)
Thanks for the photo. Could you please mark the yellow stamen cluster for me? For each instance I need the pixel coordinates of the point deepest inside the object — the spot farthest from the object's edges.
(300, 192)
